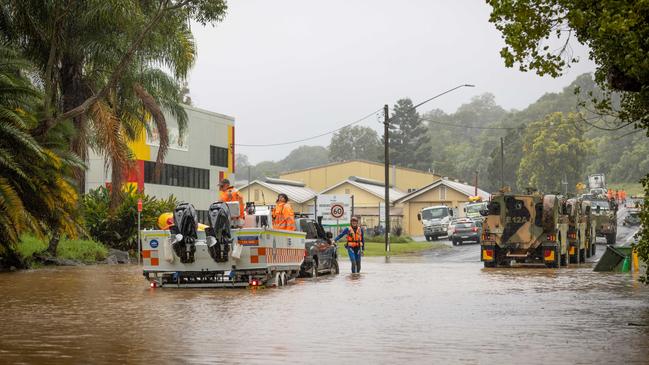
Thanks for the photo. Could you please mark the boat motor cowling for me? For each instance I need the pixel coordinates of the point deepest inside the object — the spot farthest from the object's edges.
(218, 235)
(185, 229)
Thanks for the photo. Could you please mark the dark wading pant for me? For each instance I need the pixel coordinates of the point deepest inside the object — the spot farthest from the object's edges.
(355, 257)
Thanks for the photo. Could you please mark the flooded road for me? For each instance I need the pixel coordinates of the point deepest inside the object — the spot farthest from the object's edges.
(436, 308)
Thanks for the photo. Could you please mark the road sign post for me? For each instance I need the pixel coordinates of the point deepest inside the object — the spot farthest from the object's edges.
(139, 238)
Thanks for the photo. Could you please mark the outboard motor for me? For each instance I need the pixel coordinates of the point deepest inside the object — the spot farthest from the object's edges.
(185, 229)
(218, 235)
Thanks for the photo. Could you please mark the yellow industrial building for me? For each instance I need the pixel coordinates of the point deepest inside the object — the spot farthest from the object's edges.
(265, 191)
(410, 191)
(319, 178)
(450, 193)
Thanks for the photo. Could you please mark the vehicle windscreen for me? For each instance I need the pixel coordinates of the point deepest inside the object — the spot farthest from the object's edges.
(476, 208)
(602, 204)
(434, 213)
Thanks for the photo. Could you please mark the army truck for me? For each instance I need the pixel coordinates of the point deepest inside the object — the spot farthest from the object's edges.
(604, 216)
(524, 228)
(581, 239)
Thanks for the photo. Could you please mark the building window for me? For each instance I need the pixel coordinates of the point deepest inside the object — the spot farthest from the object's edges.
(442, 192)
(218, 156)
(175, 175)
(256, 195)
(346, 191)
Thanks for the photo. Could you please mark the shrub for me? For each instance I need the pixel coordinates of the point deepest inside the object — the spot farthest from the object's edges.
(118, 228)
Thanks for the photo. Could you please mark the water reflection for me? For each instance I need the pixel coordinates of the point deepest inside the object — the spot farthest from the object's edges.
(411, 309)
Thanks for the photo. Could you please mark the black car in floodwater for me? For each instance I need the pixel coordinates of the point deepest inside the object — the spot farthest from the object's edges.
(465, 229)
(321, 254)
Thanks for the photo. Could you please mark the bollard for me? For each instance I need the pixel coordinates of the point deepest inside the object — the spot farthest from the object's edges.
(636, 263)
(625, 265)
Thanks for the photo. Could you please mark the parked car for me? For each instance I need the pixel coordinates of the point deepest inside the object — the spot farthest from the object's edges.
(632, 218)
(465, 230)
(321, 254)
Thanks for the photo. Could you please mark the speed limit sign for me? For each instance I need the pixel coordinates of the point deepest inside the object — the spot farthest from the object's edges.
(337, 211)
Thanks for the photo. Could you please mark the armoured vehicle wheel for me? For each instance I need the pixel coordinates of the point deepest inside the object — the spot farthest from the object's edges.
(490, 264)
(594, 247)
(335, 270)
(575, 259)
(564, 259)
(610, 238)
(582, 255)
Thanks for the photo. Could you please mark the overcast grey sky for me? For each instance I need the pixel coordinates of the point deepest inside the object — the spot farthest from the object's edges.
(290, 69)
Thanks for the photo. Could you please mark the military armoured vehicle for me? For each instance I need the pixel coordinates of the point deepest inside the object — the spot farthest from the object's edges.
(524, 228)
(604, 214)
(581, 234)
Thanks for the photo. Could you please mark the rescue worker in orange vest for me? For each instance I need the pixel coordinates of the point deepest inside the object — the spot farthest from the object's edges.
(609, 194)
(227, 193)
(623, 196)
(283, 216)
(355, 243)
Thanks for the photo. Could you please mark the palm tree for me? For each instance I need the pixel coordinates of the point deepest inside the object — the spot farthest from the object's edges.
(35, 189)
(77, 45)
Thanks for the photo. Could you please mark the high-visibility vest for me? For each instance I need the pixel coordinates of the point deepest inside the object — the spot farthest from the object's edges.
(283, 217)
(232, 195)
(354, 237)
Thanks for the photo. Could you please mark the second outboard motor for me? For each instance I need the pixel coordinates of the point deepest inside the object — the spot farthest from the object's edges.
(218, 235)
(185, 229)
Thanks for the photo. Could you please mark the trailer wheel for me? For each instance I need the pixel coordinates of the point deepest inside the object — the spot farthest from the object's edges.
(284, 279)
(575, 258)
(278, 279)
(565, 259)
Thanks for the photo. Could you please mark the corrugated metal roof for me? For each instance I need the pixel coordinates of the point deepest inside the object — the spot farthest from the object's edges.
(297, 194)
(465, 189)
(378, 190)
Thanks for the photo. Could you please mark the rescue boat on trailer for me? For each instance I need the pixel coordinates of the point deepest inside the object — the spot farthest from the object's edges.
(220, 254)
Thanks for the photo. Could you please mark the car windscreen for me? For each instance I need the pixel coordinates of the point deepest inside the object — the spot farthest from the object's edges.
(309, 228)
(602, 204)
(476, 208)
(436, 213)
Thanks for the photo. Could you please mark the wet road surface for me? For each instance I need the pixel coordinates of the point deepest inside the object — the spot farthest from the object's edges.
(440, 307)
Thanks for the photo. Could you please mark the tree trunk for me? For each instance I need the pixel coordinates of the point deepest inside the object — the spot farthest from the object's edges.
(54, 244)
(74, 91)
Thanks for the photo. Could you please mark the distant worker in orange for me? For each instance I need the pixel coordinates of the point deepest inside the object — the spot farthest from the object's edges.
(623, 196)
(227, 193)
(609, 194)
(283, 215)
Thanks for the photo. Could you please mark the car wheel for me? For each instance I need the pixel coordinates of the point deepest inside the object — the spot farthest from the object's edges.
(335, 270)
(314, 268)
(428, 238)
(459, 242)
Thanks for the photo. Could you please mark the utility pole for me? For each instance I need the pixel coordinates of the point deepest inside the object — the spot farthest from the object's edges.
(386, 141)
(564, 182)
(502, 163)
(476, 183)
(249, 183)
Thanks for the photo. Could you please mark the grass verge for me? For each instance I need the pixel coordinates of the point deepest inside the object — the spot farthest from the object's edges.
(630, 188)
(396, 249)
(86, 251)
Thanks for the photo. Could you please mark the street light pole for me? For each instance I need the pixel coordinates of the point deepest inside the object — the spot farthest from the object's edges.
(386, 142)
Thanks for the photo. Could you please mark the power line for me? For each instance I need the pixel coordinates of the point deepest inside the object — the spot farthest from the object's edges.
(313, 137)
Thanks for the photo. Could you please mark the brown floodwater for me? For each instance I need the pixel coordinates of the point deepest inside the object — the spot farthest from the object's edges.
(427, 309)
